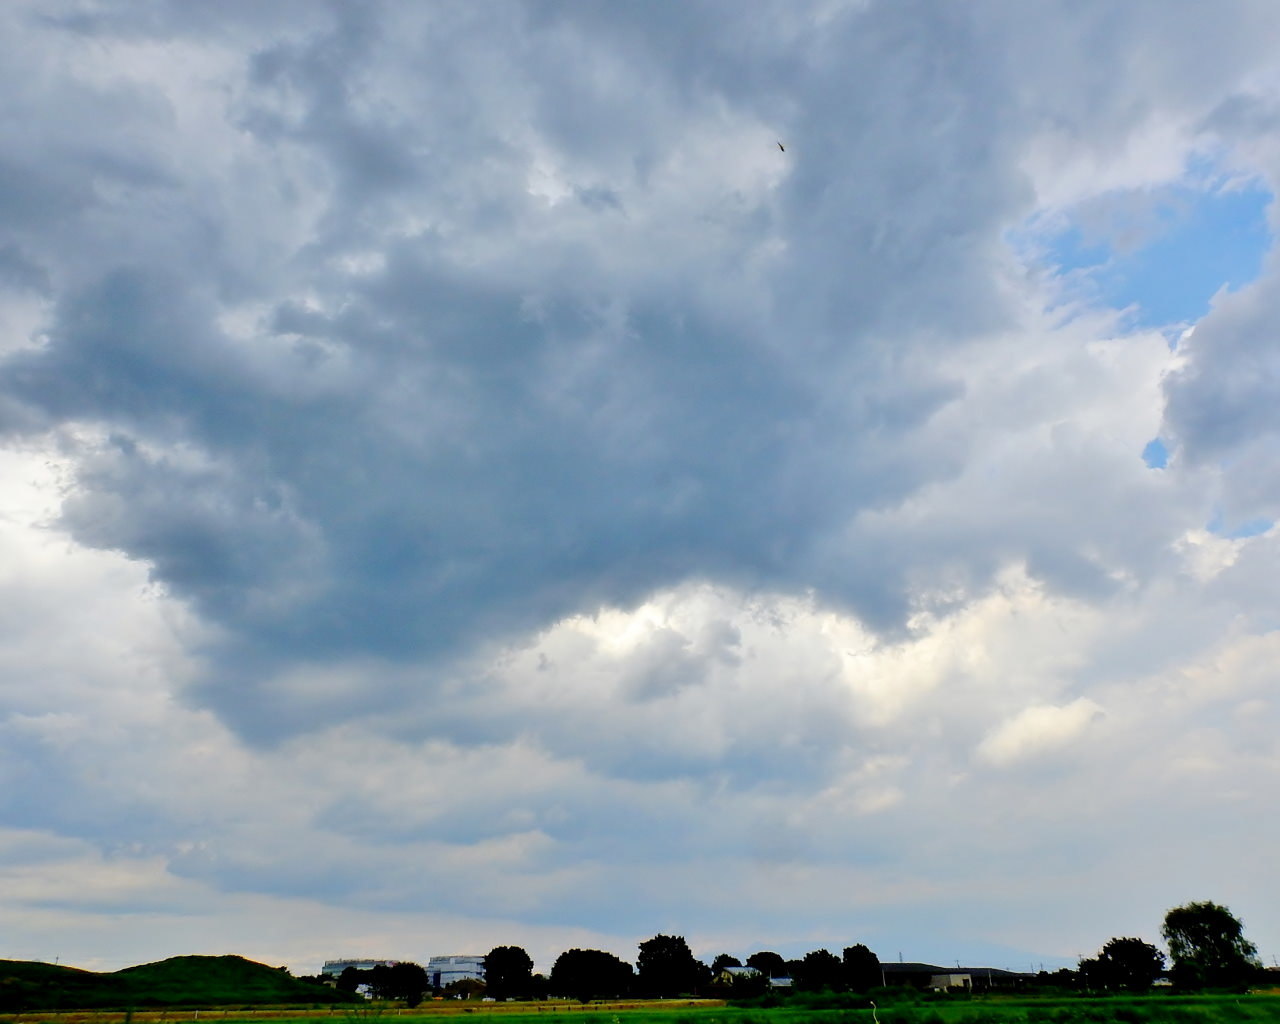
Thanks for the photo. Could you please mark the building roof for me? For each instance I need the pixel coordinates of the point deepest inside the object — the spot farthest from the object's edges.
(915, 968)
(994, 972)
(919, 968)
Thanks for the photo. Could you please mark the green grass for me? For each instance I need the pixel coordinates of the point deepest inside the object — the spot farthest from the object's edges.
(1158, 1009)
(908, 1009)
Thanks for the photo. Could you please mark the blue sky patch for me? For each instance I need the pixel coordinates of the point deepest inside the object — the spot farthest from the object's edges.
(1238, 531)
(1163, 253)
(1156, 454)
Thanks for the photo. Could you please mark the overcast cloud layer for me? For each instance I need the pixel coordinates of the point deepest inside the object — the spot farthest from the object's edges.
(462, 483)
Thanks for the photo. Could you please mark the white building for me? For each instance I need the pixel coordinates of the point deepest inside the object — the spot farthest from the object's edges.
(333, 968)
(441, 970)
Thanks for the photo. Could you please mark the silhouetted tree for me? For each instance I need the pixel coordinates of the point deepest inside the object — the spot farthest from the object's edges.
(508, 971)
(1208, 947)
(820, 969)
(587, 974)
(1123, 964)
(403, 981)
(771, 965)
(1062, 978)
(861, 968)
(722, 961)
(666, 967)
(378, 979)
(350, 979)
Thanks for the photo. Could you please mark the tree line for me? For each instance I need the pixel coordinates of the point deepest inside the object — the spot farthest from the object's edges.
(1207, 949)
(1206, 943)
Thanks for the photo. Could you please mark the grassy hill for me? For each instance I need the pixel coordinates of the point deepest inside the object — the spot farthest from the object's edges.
(33, 986)
(193, 981)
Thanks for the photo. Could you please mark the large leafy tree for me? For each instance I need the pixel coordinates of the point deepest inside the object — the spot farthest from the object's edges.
(771, 965)
(405, 981)
(1208, 947)
(1123, 964)
(587, 974)
(861, 968)
(508, 972)
(722, 961)
(820, 969)
(350, 979)
(667, 967)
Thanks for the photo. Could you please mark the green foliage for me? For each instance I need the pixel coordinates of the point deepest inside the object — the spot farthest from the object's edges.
(666, 967)
(508, 972)
(747, 986)
(820, 969)
(825, 999)
(771, 965)
(1208, 947)
(404, 981)
(1125, 964)
(860, 968)
(350, 979)
(587, 974)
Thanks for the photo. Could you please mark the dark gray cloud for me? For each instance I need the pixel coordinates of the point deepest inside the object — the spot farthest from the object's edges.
(484, 467)
(455, 406)
(1224, 398)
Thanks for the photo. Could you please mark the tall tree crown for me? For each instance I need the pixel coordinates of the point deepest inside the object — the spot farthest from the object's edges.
(1208, 947)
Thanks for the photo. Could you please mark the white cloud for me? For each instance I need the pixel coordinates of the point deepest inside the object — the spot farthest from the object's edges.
(1038, 730)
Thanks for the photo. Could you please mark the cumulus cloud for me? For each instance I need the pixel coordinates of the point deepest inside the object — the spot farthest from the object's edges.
(561, 405)
(457, 465)
(1037, 730)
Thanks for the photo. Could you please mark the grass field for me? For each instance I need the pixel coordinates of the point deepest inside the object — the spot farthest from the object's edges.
(1158, 1009)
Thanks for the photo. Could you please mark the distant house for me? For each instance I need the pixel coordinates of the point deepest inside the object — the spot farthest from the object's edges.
(953, 979)
(910, 975)
(942, 979)
(729, 974)
(986, 978)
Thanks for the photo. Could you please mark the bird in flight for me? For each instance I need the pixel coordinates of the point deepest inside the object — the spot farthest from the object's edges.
(782, 147)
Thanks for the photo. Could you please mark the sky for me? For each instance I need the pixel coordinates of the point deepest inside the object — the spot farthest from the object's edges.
(462, 483)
